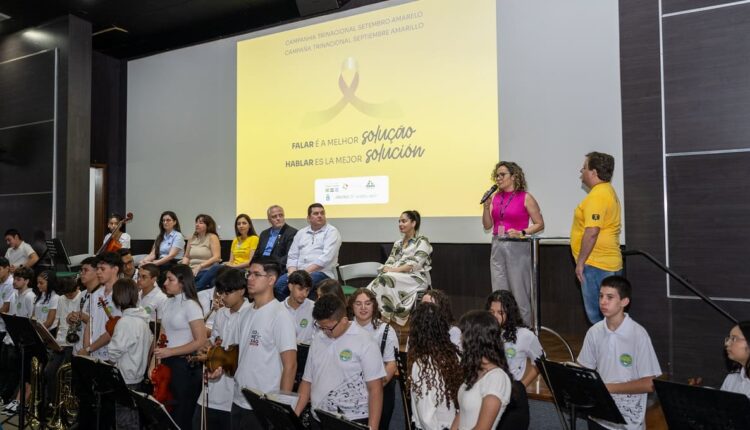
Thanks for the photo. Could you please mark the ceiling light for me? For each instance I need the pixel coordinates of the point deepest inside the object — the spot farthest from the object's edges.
(3, 17)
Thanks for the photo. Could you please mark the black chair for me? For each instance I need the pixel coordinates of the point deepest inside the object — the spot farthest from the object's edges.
(516, 416)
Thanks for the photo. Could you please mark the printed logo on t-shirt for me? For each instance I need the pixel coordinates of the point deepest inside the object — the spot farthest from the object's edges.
(254, 338)
(510, 353)
(18, 305)
(45, 309)
(595, 217)
(303, 323)
(345, 355)
(148, 309)
(626, 360)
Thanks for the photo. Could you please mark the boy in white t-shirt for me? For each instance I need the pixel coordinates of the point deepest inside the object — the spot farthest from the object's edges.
(21, 305)
(299, 306)
(95, 337)
(230, 286)
(621, 351)
(344, 371)
(150, 297)
(268, 345)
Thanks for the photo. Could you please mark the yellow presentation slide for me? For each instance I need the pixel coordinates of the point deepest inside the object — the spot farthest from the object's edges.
(371, 114)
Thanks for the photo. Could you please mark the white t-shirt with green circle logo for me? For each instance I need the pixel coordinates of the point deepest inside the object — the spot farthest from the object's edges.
(43, 306)
(21, 305)
(339, 369)
(303, 320)
(526, 346)
(153, 303)
(623, 355)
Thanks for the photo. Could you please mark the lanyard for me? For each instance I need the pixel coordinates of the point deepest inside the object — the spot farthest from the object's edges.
(503, 208)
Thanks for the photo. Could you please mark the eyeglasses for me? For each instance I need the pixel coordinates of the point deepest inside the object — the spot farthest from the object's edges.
(733, 339)
(329, 330)
(249, 275)
(501, 175)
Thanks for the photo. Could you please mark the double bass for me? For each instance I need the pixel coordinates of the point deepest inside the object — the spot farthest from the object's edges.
(112, 244)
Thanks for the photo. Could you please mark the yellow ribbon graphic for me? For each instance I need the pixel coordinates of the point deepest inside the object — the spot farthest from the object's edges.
(389, 109)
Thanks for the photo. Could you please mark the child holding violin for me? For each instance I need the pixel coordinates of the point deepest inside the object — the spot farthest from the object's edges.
(95, 337)
(215, 403)
(182, 323)
(129, 346)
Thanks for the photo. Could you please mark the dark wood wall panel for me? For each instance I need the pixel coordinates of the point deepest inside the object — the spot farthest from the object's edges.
(28, 213)
(27, 89)
(642, 164)
(699, 340)
(707, 100)
(709, 203)
(26, 158)
(706, 82)
(671, 6)
(27, 95)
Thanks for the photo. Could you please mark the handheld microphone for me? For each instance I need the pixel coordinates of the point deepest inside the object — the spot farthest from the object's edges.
(488, 194)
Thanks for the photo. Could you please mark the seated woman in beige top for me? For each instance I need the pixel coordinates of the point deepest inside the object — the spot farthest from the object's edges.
(203, 252)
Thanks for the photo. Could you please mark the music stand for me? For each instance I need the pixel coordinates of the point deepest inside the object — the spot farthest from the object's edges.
(277, 414)
(102, 378)
(337, 422)
(154, 413)
(26, 338)
(691, 407)
(578, 389)
(46, 337)
(57, 254)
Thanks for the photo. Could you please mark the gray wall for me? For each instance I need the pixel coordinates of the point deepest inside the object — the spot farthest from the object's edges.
(559, 98)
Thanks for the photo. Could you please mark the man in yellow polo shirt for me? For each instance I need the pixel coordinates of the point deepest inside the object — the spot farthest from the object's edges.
(595, 234)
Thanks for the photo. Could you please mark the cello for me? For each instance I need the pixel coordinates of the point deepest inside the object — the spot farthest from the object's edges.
(112, 244)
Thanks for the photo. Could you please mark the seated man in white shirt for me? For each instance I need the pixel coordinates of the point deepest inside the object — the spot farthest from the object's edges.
(19, 253)
(315, 249)
(344, 371)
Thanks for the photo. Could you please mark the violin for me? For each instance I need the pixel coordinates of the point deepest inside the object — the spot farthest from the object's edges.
(113, 243)
(161, 377)
(111, 320)
(215, 356)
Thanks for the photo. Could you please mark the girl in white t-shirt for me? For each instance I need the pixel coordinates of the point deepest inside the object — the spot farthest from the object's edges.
(45, 304)
(435, 369)
(486, 388)
(738, 351)
(182, 323)
(363, 304)
(443, 302)
(521, 345)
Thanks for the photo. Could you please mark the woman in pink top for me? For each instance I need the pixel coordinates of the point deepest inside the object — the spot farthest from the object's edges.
(508, 214)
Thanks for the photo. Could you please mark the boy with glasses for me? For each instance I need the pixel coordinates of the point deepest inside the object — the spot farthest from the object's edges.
(344, 371)
(268, 345)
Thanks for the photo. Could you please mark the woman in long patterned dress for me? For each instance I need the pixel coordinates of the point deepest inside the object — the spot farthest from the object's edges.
(405, 273)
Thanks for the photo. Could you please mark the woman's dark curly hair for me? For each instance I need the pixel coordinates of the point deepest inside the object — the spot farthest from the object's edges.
(430, 345)
(480, 339)
(441, 299)
(733, 366)
(376, 315)
(513, 318)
